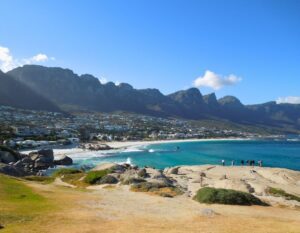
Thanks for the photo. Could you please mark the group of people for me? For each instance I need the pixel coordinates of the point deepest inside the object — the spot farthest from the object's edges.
(248, 162)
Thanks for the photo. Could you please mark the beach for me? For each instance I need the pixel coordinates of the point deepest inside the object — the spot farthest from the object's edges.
(120, 145)
(125, 144)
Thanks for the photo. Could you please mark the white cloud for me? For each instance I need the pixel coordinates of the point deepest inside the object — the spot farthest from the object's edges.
(216, 81)
(6, 59)
(288, 100)
(103, 80)
(40, 57)
(8, 62)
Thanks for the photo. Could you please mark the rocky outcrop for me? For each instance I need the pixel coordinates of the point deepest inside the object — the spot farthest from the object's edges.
(11, 170)
(96, 146)
(108, 179)
(42, 159)
(7, 157)
(21, 165)
(63, 160)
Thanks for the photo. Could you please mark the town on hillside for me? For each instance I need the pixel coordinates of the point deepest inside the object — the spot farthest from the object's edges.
(24, 129)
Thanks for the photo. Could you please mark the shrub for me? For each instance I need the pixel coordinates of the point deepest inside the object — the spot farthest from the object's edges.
(146, 187)
(93, 176)
(65, 171)
(226, 196)
(281, 193)
(159, 189)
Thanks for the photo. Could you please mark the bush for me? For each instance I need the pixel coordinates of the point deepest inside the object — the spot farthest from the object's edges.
(147, 187)
(93, 176)
(281, 193)
(65, 171)
(159, 189)
(226, 196)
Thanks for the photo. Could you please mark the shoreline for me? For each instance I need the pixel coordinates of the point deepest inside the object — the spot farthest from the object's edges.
(122, 145)
(126, 144)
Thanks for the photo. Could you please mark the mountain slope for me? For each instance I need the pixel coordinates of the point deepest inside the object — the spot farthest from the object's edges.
(16, 94)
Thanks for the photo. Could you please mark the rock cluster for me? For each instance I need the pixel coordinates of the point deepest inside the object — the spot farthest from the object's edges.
(142, 179)
(96, 146)
(16, 164)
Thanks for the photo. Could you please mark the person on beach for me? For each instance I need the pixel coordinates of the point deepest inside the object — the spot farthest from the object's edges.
(248, 162)
(223, 162)
(259, 163)
(242, 162)
(232, 163)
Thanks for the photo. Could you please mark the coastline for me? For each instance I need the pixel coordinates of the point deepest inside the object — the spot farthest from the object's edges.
(122, 145)
(125, 144)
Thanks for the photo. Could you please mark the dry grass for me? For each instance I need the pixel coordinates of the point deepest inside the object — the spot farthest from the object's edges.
(111, 210)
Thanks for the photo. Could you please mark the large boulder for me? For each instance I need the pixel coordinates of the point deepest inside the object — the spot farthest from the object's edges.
(172, 170)
(43, 159)
(11, 170)
(142, 173)
(7, 157)
(108, 179)
(63, 160)
(117, 168)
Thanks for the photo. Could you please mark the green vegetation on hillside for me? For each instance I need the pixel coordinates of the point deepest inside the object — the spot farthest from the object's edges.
(281, 193)
(226, 196)
(65, 171)
(41, 179)
(19, 203)
(93, 176)
(156, 189)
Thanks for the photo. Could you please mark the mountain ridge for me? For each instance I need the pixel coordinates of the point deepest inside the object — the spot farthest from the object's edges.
(85, 92)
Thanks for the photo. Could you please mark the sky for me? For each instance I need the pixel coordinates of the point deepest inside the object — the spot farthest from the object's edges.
(246, 48)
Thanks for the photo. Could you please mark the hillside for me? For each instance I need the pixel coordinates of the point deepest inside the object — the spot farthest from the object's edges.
(16, 94)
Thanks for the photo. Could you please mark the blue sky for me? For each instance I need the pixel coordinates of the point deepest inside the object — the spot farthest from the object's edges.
(246, 48)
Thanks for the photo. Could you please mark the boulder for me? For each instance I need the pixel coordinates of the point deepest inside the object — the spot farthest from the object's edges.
(63, 160)
(43, 159)
(118, 168)
(47, 153)
(173, 171)
(132, 180)
(155, 174)
(108, 179)
(142, 173)
(7, 157)
(128, 175)
(11, 170)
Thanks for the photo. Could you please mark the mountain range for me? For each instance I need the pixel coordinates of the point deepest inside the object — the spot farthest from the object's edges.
(53, 89)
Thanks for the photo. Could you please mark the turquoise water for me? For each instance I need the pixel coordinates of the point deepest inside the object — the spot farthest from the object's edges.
(285, 154)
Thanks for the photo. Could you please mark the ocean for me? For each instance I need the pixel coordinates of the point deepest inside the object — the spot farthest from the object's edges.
(284, 154)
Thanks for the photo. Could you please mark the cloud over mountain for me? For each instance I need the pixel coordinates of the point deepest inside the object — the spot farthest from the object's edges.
(216, 81)
(288, 100)
(8, 62)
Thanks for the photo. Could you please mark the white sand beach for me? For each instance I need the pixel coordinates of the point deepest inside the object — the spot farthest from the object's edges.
(125, 144)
